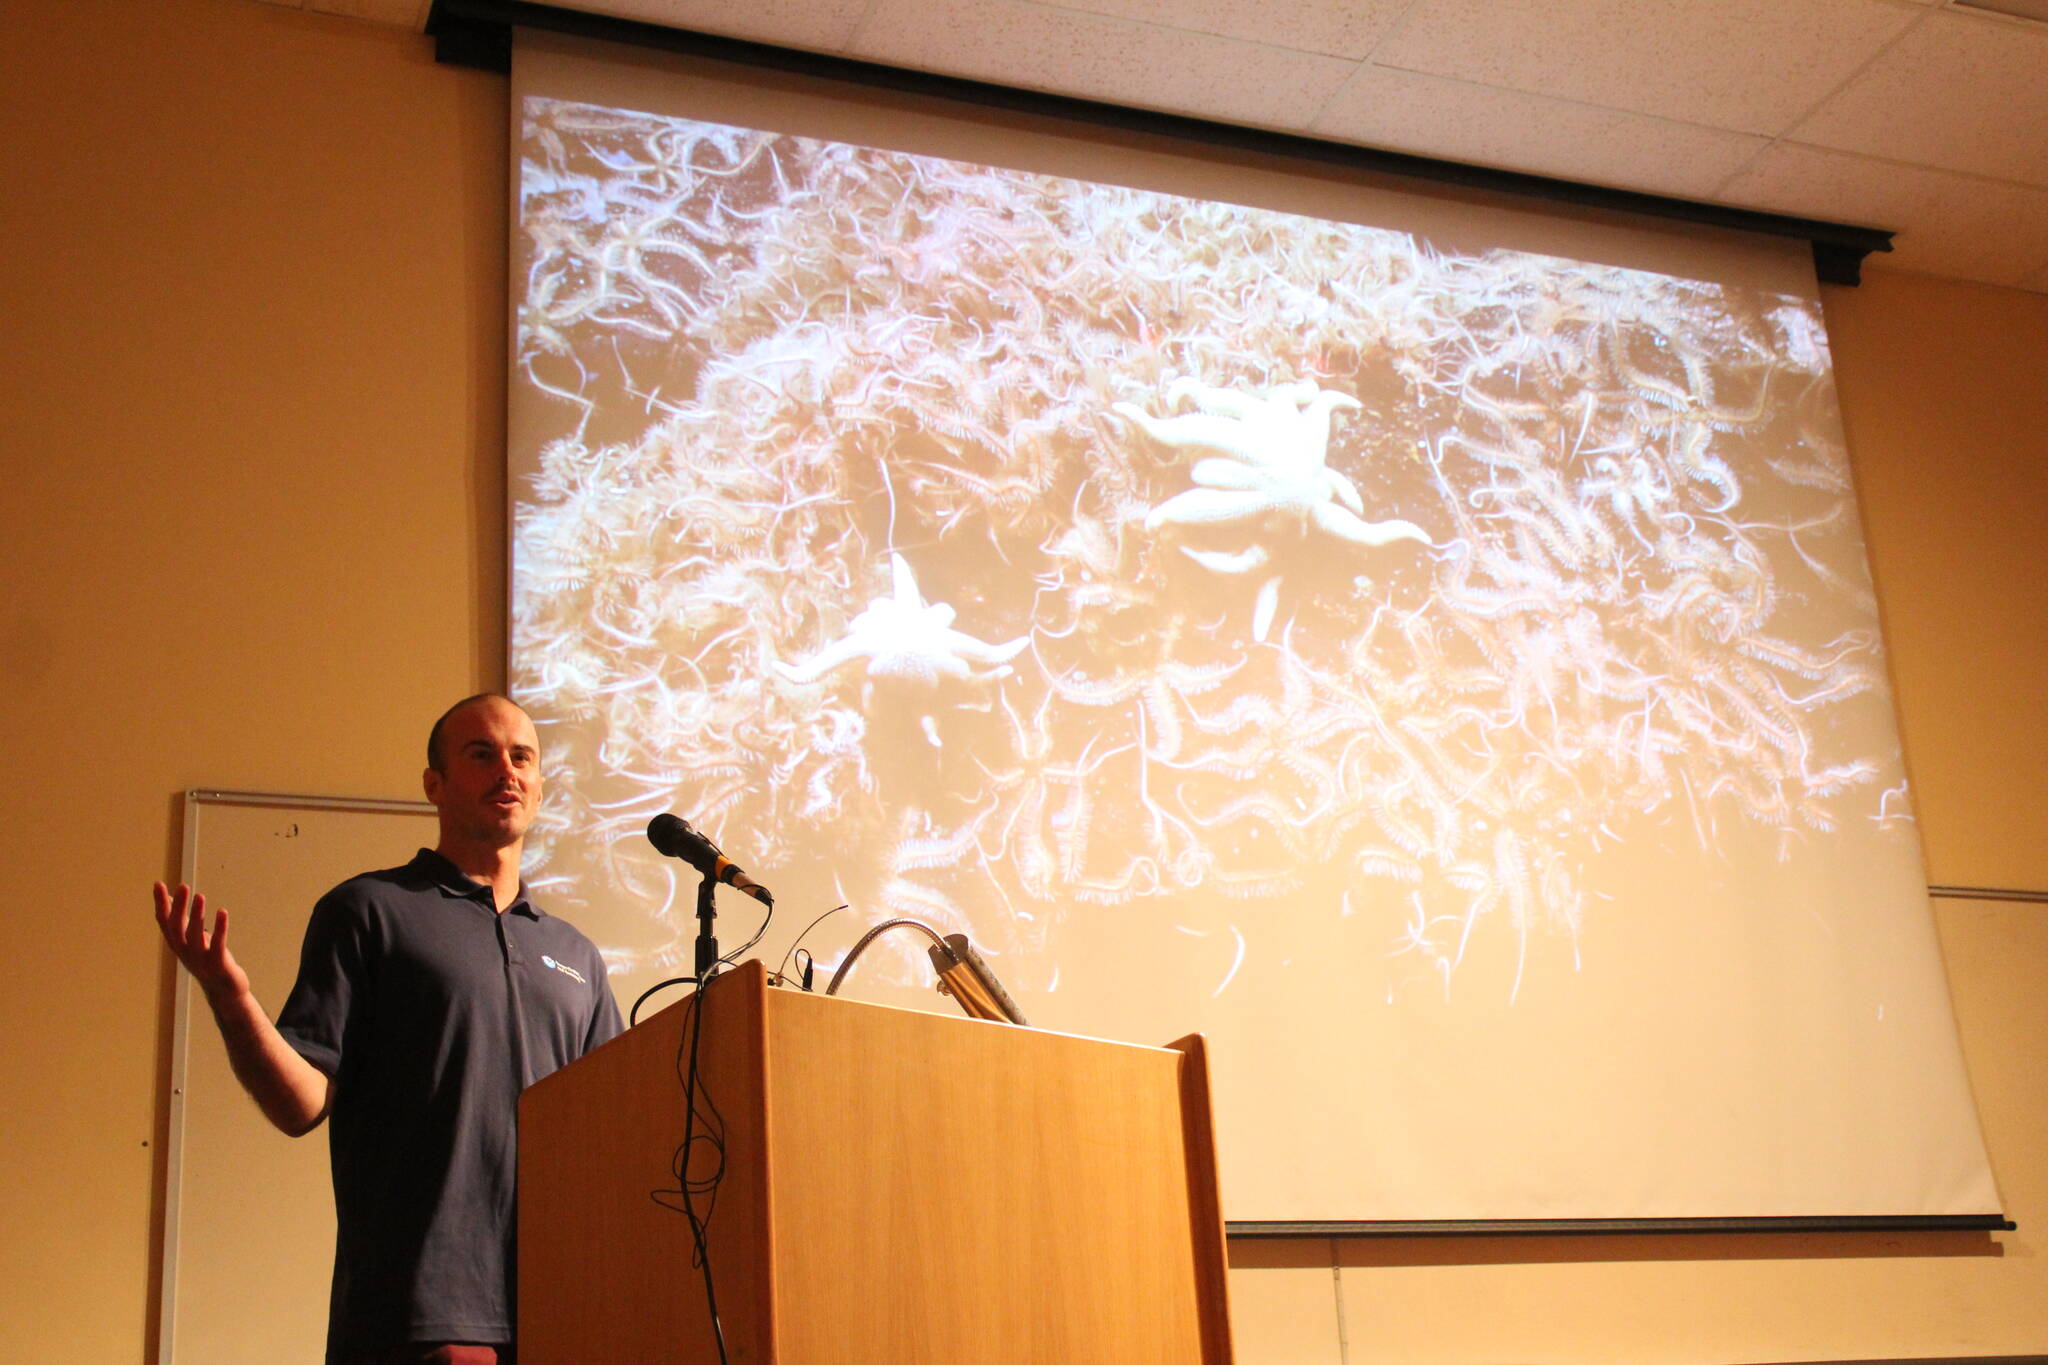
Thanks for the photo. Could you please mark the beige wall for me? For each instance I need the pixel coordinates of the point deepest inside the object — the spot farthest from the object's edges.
(250, 526)
(250, 408)
(1945, 396)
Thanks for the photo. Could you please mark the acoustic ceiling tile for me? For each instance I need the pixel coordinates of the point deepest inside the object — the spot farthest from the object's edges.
(1958, 92)
(1041, 48)
(1948, 224)
(1489, 127)
(1750, 66)
(815, 25)
(1335, 28)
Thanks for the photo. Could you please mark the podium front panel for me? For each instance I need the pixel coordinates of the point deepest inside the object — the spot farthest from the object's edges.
(946, 1189)
(895, 1186)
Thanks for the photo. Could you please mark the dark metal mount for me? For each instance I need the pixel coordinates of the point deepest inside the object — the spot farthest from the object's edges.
(478, 33)
(1583, 1227)
(1989, 893)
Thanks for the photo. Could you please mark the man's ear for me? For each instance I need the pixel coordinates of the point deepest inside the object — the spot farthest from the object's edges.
(430, 783)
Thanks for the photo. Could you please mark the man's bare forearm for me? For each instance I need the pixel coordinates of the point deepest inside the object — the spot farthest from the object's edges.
(292, 1093)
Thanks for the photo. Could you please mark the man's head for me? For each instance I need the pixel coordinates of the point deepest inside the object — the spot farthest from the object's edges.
(483, 771)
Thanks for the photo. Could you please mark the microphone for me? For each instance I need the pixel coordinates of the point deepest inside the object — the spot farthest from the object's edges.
(671, 835)
(965, 975)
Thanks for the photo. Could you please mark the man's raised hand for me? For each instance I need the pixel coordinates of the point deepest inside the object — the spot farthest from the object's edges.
(181, 918)
(291, 1091)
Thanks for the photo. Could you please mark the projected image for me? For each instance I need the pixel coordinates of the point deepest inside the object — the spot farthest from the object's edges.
(1015, 552)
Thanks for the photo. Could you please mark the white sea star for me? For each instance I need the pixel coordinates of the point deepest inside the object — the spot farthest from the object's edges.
(1270, 471)
(906, 639)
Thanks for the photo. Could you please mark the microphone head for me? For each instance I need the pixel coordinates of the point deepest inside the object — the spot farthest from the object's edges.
(671, 835)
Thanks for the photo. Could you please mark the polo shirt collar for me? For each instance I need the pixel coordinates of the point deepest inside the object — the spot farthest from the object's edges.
(453, 881)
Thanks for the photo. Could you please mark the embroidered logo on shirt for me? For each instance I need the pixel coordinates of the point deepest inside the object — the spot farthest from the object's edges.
(563, 967)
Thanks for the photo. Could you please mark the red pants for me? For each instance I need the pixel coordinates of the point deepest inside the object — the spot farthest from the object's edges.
(433, 1353)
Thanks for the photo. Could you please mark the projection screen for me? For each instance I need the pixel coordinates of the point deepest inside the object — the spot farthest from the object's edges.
(1423, 645)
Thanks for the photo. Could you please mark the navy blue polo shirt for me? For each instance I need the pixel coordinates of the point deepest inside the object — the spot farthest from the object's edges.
(432, 1011)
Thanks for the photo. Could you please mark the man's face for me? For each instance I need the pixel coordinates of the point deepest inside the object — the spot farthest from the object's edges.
(490, 784)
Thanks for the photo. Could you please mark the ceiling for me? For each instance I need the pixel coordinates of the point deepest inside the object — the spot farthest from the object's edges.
(1918, 116)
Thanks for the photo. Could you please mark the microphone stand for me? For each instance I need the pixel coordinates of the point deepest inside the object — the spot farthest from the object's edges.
(707, 947)
(707, 942)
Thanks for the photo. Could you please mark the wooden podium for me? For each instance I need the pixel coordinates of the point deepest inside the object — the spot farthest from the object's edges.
(899, 1188)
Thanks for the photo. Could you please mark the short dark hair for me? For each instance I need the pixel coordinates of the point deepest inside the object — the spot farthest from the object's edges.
(435, 758)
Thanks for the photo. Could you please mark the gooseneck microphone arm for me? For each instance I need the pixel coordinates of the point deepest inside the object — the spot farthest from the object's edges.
(963, 973)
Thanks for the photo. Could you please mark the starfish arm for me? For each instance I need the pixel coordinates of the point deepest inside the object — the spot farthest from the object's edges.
(1345, 526)
(1209, 399)
(1347, 491)
(904, 581)
(1313, 439)
(1132, 413)
(982, 652)
(826, 660)
(1228, 561)
(1227, 434)
(1158, 428)
(1200, 506)
(1263, 609)
(1217, 472)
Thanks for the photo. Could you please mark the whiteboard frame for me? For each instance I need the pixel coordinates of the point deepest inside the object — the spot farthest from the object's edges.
(184, 1011)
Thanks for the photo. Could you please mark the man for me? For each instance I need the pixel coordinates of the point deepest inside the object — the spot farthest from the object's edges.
(428, 996)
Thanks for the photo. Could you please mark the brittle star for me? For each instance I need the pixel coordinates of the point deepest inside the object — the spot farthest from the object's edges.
(1270, 471)
(905, 639)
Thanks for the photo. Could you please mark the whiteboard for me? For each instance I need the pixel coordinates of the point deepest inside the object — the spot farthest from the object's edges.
(249, 1217)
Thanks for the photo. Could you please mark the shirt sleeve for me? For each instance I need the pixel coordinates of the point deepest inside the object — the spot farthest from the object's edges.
(315, 1017)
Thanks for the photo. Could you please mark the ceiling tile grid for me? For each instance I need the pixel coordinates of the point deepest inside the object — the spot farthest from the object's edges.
(1910, 115)
(815, 25)
(1455, 121)
(1070, 52)
(1959, 92)
(1948, 224)
(1749, 66)
(1348, 30)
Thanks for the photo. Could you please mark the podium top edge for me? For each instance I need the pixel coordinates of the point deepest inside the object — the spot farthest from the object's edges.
(775, 991)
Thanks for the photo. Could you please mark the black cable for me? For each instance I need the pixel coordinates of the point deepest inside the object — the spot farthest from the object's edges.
(682, 1198)
(804, 935)
(633, 1015)
(708, 1186)
(732, 959)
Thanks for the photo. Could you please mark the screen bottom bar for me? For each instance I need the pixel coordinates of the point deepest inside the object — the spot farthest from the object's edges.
(1580, 1227)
